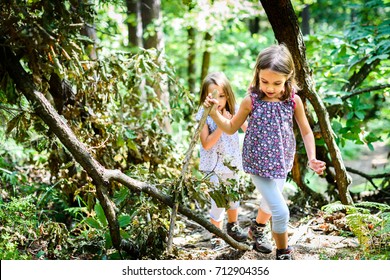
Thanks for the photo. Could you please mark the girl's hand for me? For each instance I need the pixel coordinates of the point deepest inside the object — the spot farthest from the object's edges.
(317, 166)
(210, 101)
(226, 114)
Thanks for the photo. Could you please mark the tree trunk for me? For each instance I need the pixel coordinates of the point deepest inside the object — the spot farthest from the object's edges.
(285, 25)
(254, 25)
(306, 20)
(50, 116)
(191, 59)
(206, 56)
(134, 23)
(151, 21)
(152, 28)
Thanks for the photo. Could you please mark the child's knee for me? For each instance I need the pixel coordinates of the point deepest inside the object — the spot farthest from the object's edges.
(280, 220)
(234, 205)
(216, 213)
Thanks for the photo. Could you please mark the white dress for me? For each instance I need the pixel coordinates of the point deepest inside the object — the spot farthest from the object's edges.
(227, 148)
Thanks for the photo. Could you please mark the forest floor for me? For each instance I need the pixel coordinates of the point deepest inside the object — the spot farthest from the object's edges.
(312, 237)
(313, 234)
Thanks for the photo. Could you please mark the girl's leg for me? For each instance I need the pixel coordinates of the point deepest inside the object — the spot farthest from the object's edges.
(216, 214)
(232, 227)
(281, 239)
(232, 215)
(262, 217)
(218, 224)
(271, 191)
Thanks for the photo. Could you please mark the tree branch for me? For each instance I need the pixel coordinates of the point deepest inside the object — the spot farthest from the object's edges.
(187, 159)
(138, 187)
(364, 90)
(101, 176)
(369, 177)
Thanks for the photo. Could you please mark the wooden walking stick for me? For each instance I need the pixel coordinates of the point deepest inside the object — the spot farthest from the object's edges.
(187, 159)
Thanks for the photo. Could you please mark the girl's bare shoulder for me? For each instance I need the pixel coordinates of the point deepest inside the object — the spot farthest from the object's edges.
(246, 103)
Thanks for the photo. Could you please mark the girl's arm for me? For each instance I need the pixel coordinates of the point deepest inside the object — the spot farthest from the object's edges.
(317, 166)
(244, 126)
(238, 120)
(207, 139)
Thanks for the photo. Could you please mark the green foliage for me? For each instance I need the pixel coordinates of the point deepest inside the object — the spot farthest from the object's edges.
(18, 227)
(24, 236)
(370, 223)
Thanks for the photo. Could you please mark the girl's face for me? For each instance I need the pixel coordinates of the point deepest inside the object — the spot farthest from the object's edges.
(272, 84)
(221, 97)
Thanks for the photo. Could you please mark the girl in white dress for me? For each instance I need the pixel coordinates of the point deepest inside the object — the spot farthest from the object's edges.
(217, 147)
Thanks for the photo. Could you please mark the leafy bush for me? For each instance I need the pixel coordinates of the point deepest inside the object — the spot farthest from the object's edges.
(18, 227)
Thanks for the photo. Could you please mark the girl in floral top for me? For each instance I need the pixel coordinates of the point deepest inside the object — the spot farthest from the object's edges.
(269, 144)
(218, 147)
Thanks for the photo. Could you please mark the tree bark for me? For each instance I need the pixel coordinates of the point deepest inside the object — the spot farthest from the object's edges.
(152, 20)
(285, 25)
(306, 20)
(134, 27)
(191, 59)
(206, 56)
(101, 176)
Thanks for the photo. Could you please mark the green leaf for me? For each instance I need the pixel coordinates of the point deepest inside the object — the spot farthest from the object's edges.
(93, 223)
(121, 195)
(124, 221)
(130, 134)
(360, 115)
(108, 240)
(100, 214)
(13, 123)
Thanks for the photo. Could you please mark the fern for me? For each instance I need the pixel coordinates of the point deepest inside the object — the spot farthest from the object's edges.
(361, 225)
(368, 221)
(369, 204)
(334, 207)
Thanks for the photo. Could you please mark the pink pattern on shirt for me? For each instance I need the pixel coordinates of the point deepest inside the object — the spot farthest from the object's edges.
(269, 144)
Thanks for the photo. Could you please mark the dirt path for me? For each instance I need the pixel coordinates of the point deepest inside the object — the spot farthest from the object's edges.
(313, 237)
(309, 239)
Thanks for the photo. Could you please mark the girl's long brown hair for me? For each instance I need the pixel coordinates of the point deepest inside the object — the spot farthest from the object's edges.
(276, 58)
(219, 79)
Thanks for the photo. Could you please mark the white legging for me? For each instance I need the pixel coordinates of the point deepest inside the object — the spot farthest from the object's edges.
(273, 202)
(217, 213)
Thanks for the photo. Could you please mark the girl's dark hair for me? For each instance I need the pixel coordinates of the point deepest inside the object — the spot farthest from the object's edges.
(218, 79)
(276, 58)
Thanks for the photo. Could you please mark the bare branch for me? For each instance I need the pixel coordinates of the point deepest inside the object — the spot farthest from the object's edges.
(364, 90)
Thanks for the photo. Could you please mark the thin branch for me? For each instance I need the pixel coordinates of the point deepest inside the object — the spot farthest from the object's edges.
(187, 159)
(138, 187)
(368, 177)
(364, 90)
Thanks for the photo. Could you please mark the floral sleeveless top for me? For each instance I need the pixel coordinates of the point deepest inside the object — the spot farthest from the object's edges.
(269, 144)
(227, 149)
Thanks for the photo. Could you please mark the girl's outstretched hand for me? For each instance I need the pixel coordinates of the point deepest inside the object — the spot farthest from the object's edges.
(317, 166)
(210, 101)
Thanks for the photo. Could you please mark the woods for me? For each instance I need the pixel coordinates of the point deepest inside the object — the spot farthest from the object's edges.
(104, 120)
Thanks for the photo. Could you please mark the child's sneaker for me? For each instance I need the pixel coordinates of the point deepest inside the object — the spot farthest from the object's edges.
(257, 234)
(285, 254)
(236, 232)
(217, 243)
